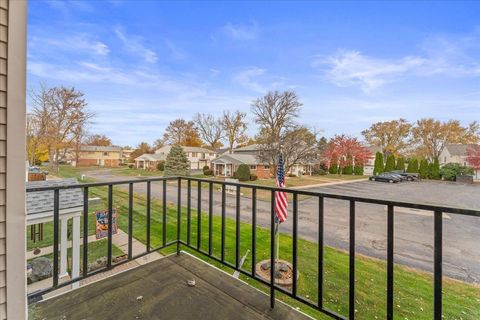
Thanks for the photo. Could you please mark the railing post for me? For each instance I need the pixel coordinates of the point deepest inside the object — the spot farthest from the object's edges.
(56, 218)
(149, 218)
(320, 252)
(351, 289)
(295, 244)
(110, 226)
(237, 229)
(130, 220)
(199, 215)
(272, 250)
(179, 214)
(164, 212)
(189, 209)
(222, 254)
(85, 231)
(254, 231)
(437, 268)
(390, 257)
(210, 218)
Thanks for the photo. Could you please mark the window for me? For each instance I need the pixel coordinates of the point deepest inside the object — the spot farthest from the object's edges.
(105, 153)
(194, 154)
(210, 154)
(266, 167)
(445, 159)
(253, 167)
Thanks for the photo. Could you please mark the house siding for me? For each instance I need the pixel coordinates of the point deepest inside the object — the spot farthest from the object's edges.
(13, 21)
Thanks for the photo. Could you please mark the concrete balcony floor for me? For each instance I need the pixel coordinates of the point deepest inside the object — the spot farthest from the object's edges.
(159, 290)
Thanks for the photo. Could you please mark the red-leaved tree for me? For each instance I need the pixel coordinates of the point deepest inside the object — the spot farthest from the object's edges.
(473, 156)
(344, 151)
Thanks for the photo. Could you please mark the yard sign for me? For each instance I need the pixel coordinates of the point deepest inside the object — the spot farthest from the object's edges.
(102, 223)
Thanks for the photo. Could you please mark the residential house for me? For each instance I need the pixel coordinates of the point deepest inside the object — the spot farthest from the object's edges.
(457, 153)
(370, 165)
(103, 156)
(126, 155)
(197, 156)
(226, 164)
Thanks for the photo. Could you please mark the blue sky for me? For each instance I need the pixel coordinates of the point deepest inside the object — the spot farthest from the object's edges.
(143, 64)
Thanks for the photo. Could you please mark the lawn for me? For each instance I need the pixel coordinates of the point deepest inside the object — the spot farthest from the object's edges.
(413, 289)
(133, 172)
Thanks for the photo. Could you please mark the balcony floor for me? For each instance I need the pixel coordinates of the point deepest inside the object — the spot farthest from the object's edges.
(166, 295)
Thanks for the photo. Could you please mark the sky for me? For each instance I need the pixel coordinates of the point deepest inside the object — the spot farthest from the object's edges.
(142, 64)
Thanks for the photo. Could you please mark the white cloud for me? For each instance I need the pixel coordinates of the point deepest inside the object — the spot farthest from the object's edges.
(248, 78)
(175, 52)
(241, 31)
(73, 42)
(445, 56)
(134, 44)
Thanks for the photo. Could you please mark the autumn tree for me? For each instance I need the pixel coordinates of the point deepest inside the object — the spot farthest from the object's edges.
(431, 136)
(37, 151)
(142, 148)
(343, 151)
(61, 112)
(390, 136)
(98, 140)
(210, 129)
(473, 156)
(235, 127)
(158, 143)
(182, 132)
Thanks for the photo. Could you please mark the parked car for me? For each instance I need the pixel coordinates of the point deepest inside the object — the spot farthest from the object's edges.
(386, 177)
(407, 176)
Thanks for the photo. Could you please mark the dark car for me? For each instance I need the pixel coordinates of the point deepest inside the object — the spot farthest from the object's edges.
(406, 176)
(386, 177)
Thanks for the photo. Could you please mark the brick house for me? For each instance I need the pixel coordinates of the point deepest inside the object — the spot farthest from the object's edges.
(103, 156)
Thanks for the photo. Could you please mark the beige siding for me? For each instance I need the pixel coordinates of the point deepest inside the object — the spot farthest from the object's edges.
(3, 125)
(12, 167)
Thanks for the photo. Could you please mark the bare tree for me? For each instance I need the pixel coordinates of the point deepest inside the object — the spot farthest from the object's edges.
(157, 144)
(299, 146)
(235, 127)
(98, 140)
(276, 114)
(61, 111)
(210, 129)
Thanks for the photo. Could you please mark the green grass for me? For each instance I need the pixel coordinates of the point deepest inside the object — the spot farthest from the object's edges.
(413, 289)
(126, 171)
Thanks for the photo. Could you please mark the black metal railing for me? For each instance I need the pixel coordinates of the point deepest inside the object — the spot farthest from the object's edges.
(196, 246)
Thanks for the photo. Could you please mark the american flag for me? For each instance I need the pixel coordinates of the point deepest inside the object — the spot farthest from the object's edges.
(281, 202)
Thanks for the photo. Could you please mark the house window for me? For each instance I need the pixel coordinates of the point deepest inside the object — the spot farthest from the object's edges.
(253, 167)
(266, 167)
(445, 159)
(105, 153)
(210, 154)
(194, 154)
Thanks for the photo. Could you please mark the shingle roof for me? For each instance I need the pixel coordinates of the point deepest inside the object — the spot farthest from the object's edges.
(151, 157)
(236, 158)
(458, 149)
(42, 201)
(101, 148)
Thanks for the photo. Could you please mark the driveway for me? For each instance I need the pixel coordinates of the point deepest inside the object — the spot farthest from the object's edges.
(413, 228)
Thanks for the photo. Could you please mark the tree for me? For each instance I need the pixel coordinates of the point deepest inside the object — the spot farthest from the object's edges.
(390, 163)
(210, 129)
(243, 172)
(142, 148)
(37, 151)
(298, 146)
(391, 136)
(234, 126)
(98, 140)
(276, 115)
(473, 156)
(60, 112)
(431, 136)
(435, 170)
(423, 170)
(183, 133)
(342, 151)
(412, 166)
(177, 163)
(451, 170)
(400, 164)
(158, 143)
(378, 165)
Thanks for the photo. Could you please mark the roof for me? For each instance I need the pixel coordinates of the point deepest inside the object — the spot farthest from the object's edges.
(151, 157)
(374, 149)
(238, 158)
(42, 201)
(101, 148)
(160, 288)
(166, 149)
(251, 147)
(458, 149)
